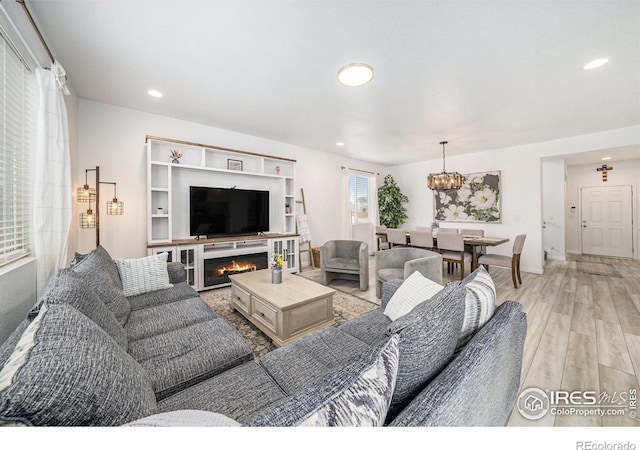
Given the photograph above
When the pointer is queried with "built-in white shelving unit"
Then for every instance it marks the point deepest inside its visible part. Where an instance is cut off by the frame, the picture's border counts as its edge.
(206, 165)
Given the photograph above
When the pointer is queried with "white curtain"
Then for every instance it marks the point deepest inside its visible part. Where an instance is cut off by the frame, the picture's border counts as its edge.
(52, 195)
(345, 205)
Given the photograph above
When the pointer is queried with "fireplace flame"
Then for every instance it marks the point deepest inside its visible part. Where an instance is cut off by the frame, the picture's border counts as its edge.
(234, 267)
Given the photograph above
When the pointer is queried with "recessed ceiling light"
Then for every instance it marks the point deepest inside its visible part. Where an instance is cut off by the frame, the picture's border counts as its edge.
(596, 63)
(606, 158)
(355, 74)
(340, 144)
(154, 93)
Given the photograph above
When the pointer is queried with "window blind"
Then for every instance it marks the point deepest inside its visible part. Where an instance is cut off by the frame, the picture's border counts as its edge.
(16, 97)
(359, 195)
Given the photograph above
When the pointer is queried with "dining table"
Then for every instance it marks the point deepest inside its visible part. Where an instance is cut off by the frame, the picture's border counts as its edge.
(477, 244)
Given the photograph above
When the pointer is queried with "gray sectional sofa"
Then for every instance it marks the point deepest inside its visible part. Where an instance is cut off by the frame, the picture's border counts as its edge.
(88, 355)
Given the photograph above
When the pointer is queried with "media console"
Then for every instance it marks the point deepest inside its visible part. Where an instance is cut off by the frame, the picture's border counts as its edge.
(209, 262)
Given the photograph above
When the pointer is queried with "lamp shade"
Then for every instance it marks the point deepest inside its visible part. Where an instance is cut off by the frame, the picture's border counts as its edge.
(115, 207)
(88, 219)
(85, 194)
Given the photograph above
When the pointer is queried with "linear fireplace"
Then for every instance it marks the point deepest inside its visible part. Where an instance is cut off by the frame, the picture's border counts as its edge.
(217, 270)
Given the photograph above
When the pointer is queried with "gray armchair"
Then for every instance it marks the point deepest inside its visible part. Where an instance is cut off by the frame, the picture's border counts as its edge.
(345, 260)
(400, 262)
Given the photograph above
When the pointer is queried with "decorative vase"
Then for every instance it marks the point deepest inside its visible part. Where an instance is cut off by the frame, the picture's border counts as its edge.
(276, 276)
(175, 161)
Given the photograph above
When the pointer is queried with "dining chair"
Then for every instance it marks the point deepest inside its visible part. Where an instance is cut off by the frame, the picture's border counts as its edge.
(472, 232)
(381, 235)
(421, 239)
(513, 261)
(451, 247)
(396, 237)
(448, 230)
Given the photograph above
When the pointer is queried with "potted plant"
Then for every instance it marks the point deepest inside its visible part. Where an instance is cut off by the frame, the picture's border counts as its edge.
(390, 204)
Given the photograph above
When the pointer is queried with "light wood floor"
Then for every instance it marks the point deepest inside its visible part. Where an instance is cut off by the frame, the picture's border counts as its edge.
(583, 330)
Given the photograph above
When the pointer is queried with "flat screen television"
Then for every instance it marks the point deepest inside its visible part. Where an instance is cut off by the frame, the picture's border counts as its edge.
(217, 212)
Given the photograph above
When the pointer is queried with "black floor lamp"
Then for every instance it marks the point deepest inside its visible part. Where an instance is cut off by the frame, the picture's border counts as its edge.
(87, 194)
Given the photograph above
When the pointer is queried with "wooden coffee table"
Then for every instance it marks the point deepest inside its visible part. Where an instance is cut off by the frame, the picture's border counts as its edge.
(285, 312)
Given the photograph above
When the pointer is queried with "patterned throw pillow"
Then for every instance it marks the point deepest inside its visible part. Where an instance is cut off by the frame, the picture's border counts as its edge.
(358, 394)
(143, 275)
(414, 290)
(480, 303)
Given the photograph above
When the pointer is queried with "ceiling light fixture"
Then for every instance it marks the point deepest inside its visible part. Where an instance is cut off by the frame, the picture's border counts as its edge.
(605, 158)
(596, 63)
(154, 93)
(444, 181)
(340, 144)
(355, 74)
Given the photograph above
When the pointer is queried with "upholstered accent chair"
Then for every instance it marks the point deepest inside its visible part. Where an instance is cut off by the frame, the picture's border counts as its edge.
(401, 262)
(513, 262)
(343, 259)
(451, 247)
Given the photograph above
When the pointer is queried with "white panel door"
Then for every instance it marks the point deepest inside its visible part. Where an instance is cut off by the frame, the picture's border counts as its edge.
(606, 221)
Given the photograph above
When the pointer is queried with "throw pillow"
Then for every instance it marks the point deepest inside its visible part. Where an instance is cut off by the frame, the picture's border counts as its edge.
(428, 338)
(414, 290)
(143, 275)
(185, 418)
(480, 303)
(97, 260)
(66, 286)
(358, 394)
(66, 371)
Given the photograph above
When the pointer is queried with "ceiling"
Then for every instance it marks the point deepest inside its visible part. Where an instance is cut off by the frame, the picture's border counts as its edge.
(480, 74)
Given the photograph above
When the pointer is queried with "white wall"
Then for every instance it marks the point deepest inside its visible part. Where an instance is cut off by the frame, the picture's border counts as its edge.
(17, 294)
(521, 170)
(624, 173)
(114, 139)
(553, 201)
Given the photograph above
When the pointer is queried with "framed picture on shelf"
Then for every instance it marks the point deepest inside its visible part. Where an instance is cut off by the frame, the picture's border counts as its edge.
(234, 164)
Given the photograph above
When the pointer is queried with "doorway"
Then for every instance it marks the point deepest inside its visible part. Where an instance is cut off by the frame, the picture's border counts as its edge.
(606, 221)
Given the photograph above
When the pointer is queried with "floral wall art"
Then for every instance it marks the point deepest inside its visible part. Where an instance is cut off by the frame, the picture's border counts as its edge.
(478, 200)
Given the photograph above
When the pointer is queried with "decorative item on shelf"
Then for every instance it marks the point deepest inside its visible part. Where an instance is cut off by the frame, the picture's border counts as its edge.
(278, 170)
(175, 155)
(276, 271)
(160, 211)
(444, 181)
(287, 209)
(234, 164)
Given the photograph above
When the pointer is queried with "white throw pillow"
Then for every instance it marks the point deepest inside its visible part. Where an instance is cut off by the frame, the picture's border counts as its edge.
(413, 291)
(143, 275)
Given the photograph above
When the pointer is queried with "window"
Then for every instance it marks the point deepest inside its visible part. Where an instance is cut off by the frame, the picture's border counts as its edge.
(359, 196)
(16, 97)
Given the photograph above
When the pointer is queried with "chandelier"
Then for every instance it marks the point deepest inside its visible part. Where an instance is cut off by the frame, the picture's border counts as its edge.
(444, 181)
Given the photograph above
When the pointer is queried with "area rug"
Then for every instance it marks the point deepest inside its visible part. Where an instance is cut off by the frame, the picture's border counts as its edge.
(594, 268)
(345, 307)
